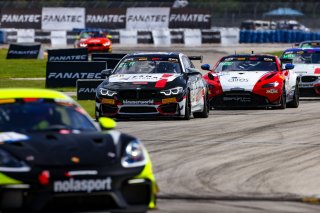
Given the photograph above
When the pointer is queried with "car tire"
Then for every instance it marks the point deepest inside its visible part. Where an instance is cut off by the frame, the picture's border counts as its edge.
(283, 100)
(187, 109)
(295, 102)
(205, 111)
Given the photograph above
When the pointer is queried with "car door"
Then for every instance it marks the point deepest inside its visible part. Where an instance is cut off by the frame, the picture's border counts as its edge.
(195, 84)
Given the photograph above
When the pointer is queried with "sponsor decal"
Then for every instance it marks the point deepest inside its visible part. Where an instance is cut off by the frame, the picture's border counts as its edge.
(88, 185)
(238, 79)
(108, 101)
(306, 85)
(169, 100)
(90, 75)
(163, 81)
(87, 90)
(238, 99)
(9, 137)
(69, 58)
(142, 102)
(272, 91)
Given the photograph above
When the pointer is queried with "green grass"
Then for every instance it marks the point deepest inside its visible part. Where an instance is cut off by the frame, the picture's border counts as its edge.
(88, 105)
(20, 68)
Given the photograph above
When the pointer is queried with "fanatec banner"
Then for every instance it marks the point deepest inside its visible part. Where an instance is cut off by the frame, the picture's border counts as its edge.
(106, 18)
(63, 18)
(66, 73)
(73, 54)
(21, 18)
(190, 18)
(147, 17)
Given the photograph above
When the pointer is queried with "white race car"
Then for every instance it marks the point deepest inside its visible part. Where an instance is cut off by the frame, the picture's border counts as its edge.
(307, 67)
(251, 81)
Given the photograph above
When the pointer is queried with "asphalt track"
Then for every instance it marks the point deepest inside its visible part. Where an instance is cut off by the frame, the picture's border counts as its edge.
(235, 160)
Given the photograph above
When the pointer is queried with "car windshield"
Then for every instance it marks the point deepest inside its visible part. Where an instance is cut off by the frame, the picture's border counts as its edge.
(310, 44)
(303, 57)
(93, 35)
(34, 116)
(146, 65)
(246, 64)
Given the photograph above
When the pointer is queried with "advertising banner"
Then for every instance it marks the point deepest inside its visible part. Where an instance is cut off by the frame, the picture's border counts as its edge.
(86, 88)
(66, 74)
(58, 38)
(21, 18)
(106, 18)
(25, 36)
(190, 18)
(161, 37)
(72, 54)
(230, 36)
(192, 37)
(211, 36)
(147, 17)
(128, 37)
(63, 18)
(24, 51)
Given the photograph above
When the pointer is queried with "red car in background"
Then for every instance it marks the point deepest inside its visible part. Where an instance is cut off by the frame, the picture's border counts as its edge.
(94, 41)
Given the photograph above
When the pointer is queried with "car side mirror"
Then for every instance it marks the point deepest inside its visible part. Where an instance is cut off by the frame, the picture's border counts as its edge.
(109, 36)
(289, 66)
(205, 67)
(106, 73)
(107, 123)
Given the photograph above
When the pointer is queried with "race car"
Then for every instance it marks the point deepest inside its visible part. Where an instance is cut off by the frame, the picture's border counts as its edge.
(307, 66)
(308, 44)
(153, 84)
(53, 155)
(251, 80)
(94, 41)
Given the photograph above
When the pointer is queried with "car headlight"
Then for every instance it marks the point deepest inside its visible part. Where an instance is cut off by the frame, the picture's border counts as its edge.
(83, 45)
(134, 155)
(173, 91)
(270, 85)
(9, 163)
(107, 43)
(107, 92)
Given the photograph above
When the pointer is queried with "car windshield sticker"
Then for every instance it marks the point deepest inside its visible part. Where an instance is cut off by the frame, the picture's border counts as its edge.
(142, 59)
(173, 60)
(300, 52)
(288, 56)
(228, 63)
(9, 137)
(268, 59)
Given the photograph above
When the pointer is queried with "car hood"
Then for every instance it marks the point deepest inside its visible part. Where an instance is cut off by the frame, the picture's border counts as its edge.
(143, 81)
(56, 149)
(96, 40)
(239, 79)
(302, 69)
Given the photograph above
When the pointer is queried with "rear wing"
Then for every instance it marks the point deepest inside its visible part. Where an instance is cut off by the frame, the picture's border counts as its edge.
(199, 58)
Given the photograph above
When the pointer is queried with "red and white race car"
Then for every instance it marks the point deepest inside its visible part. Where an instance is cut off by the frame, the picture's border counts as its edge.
(251, 81)
(95, 41)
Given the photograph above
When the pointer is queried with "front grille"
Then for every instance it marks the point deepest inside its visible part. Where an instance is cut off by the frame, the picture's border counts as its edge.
(106, 109)
(138, 110)
(138, 94)
(308, 78)
(169, 108)
(94, 45)
(238, 98)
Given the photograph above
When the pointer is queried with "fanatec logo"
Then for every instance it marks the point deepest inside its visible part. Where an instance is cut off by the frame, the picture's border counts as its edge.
(68, 58)
(91, 75)
(87, 90)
